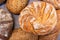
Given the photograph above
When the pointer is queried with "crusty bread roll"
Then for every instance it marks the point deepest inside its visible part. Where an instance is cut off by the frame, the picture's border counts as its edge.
(6, 24)
(55, 3)
(18, 34)
(15, 6)
(38, 17)
(55, 33)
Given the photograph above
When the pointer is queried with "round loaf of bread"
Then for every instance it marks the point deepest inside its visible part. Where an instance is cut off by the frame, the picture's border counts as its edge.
(19, 34)
(15, 6)
(38, 17)
(55, 3)
(6, 24)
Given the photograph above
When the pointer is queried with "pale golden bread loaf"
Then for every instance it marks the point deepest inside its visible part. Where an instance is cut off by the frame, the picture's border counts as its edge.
(38, 17)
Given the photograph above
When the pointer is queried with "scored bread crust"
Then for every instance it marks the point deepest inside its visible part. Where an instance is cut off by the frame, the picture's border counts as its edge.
(55, 33)
(38, 17)
(55, 3)
(5, 16)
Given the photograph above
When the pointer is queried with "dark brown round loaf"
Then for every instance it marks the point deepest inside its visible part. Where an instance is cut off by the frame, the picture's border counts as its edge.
(6, 24)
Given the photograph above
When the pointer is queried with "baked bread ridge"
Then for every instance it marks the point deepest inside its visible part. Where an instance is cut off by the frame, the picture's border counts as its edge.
(55, 33)
(15, 6)
(55, 3)
(19, 34)
(6, 24)
(37, 18)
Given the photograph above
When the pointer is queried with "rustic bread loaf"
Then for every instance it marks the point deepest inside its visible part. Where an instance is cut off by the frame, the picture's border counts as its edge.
(6, 24)
(54, 34)
(15, 6)
(19, 34)
(38, 17)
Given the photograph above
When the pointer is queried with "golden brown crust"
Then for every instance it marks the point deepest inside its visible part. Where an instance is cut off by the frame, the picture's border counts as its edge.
(55, 3)
(18, 34)
(54, 34)
(15, 6)
(49, 37)
(38, 17)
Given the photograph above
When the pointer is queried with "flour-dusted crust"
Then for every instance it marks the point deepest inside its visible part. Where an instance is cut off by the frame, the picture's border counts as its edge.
(6, 24)
(4, 16)
(15, 6)
(55, 3)
(19, 34)
(38, 17)
(54, 34)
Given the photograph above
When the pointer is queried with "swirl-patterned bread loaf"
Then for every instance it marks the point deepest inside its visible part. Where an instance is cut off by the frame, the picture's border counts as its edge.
(54, 34)
(38, 17)
(6, 23)
(55, 3)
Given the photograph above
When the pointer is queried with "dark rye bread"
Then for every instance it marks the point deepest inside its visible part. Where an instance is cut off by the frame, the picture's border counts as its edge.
(19, 34)
(6, 24)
